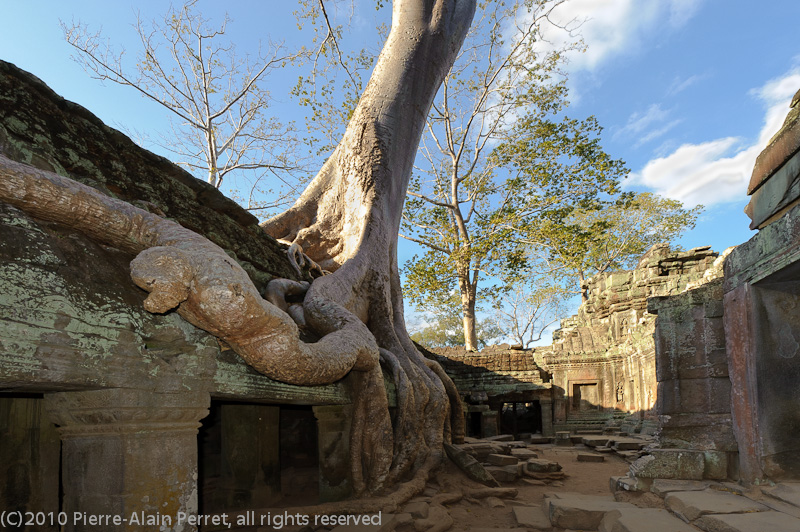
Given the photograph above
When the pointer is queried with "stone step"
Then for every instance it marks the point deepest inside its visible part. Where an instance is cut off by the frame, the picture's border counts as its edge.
(749, 522)
(580, 512)
(502, 460)
(531, 517)
(590, 457)
(788, 492)
(595, 441)
(691, 505)
(643, 520)
(662, 487)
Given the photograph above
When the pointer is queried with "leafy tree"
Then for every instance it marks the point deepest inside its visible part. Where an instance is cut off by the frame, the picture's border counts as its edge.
(446, 329)
(218, 100)
(596, 240)
(347, 219)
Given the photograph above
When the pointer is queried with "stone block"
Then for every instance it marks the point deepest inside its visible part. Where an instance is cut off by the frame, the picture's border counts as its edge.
(590, 457)
(643, 520)
(704, 396)
(788, 492)
(716, 465)
(671, 464)
(662, 487)
(531, 517)
(628, 444)
(581, 512)
(524, 454)
(749, 522)
(509, 473)
(563, 439)
(540, 440)
(502, 460)
(626, 483)
(698, 431)
(540, 465)
(501, 437)
(691, 505)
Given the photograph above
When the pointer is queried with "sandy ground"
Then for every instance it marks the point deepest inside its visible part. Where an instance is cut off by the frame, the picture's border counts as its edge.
(484, 514)
(582, 477)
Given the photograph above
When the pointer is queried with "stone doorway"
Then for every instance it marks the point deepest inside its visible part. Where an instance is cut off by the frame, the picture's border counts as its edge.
(521, 417)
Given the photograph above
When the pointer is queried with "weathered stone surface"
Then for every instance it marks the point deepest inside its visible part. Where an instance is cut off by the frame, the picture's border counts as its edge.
(788, 492)
(40, 128)
(671, 464)
(531, 517)
(691, 505)
(643, 520)
(662, 487)
(595, 441)
(563, 439)
(501, 437)
(508, 473)
(524, 454)
(502, 460)
(749, 522)
(540, 465)
(469, 465)
(627, 483)
(628, 444)
(581, 512)
(495, 502)
(590, 457)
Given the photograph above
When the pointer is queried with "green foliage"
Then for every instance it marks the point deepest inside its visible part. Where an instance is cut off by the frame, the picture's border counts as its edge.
(608, 237)
(508, 189)
(447, 329)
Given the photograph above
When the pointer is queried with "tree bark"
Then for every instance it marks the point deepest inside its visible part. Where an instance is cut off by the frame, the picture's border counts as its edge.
(468, 296)
(348, 219)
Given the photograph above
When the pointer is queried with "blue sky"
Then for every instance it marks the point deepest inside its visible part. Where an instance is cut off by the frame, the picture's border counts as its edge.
(689, 91)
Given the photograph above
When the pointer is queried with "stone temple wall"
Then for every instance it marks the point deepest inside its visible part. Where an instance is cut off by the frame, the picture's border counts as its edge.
(117, 395)
(603, 359)
(727, 352)
(493, 379)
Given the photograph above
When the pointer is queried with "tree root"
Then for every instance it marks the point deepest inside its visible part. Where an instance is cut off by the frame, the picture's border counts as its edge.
(210, 290)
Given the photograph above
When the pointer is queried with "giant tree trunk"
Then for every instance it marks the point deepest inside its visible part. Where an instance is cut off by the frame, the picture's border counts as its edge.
(348, 220)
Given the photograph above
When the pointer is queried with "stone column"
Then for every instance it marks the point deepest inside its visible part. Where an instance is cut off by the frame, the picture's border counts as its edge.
(546, 404)
(129, 453)
(489, 421)
(333, 437)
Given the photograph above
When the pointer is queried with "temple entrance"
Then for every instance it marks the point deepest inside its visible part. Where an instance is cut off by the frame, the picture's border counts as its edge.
(518, 418)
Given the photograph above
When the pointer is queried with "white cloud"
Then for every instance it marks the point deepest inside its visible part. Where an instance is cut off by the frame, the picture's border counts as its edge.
(680, 85)
(646, 126)
(616, 27)
(719, 170)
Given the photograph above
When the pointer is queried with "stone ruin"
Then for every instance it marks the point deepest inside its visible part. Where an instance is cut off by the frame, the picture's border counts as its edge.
(129, 390)
(503, 390)
(603, 359)
(600, 370)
